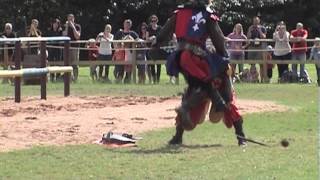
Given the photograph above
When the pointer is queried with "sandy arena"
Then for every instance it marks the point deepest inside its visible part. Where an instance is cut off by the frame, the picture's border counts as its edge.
(81, 120)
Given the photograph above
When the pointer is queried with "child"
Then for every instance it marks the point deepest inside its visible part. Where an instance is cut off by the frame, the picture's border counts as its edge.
(253, 75)
(118, 56)
(315, 55)
(92, 55)
(269, 58)
(128, 58)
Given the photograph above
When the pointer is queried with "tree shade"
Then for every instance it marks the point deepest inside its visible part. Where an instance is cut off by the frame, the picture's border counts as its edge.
(94, 14)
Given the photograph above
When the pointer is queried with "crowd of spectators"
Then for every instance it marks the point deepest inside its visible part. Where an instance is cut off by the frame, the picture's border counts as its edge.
(241, 46)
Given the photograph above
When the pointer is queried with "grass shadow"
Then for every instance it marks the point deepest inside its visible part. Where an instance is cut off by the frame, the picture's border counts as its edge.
(168, 149)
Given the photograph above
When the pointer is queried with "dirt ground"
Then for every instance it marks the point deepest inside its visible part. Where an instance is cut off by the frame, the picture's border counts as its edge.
(82, 120)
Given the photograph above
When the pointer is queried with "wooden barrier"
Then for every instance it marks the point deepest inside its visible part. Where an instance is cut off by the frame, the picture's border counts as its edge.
(18, 73)
(27, 72)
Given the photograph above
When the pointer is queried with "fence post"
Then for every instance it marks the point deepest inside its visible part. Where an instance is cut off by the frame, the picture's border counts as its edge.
(43, 64)
(17, 80)
(134, 64)
(67, 75)
(265, 68)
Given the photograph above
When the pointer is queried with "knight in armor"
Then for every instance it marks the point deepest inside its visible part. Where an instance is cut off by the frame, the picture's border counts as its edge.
(207, 73)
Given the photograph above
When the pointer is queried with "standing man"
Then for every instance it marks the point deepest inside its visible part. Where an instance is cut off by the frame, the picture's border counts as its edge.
(299, 49)
(127, 24)
(73, 30)
(126, 32)
(256, 32)
(207, 74)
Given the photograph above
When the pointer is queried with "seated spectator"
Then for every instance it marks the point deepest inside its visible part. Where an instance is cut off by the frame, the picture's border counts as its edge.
(92, 56)
(250, 75)
(315, 55)
(118, 56)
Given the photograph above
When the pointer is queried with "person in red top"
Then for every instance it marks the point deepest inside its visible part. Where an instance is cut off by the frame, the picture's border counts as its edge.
(92, 55)
(299, 48)
(118, 55)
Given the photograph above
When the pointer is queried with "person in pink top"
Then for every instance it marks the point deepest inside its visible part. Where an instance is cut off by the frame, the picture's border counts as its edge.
(235, 48)
(299, 48)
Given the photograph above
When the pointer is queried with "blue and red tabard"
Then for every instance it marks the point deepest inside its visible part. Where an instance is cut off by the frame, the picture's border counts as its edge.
(191, 25)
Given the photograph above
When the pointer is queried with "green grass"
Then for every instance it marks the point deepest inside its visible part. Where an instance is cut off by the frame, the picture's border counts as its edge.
(210, 151)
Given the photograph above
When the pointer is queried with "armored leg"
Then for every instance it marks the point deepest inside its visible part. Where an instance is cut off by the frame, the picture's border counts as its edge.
(177, 138)
(239, 132)
(191, 99)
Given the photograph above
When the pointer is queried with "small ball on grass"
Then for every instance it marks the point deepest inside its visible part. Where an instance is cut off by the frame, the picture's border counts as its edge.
(284, 143)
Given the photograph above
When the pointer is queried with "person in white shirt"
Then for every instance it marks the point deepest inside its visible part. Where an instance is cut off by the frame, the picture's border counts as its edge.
(282, 48)
(105, 51)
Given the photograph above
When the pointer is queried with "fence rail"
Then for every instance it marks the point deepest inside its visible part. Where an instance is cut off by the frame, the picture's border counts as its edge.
(7, 41)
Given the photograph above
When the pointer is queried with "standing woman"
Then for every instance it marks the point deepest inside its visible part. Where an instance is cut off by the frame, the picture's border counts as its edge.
(55, 53)
(236, 48)
(152, 31)
(105, 51)
(143, 35)
(282, 48)
(33, 31)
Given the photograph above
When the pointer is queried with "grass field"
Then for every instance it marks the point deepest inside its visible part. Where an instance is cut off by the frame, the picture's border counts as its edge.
(210, 151)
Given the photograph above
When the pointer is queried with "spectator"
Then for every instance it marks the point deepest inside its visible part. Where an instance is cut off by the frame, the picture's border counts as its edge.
(55, 53)
(141, 57)
(127, 24)
(105, 51)
(172, 46)
(33, 31)
(282, 48)
(120, 35)
(236, 47)
(256, 32)
(118, 56)
(156, 54)
(73, 30)
(143, 35)
(315, 55)
(8, 33)
(299, 49)
(92, 56)
(128, 58)
(269, 58)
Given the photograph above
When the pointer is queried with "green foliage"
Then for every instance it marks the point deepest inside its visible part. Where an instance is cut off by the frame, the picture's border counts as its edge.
(93, 15)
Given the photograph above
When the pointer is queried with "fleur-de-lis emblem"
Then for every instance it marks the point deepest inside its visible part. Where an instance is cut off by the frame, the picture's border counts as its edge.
(198, 19)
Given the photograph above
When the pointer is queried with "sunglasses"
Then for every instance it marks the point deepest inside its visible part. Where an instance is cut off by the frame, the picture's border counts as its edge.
(154, 20)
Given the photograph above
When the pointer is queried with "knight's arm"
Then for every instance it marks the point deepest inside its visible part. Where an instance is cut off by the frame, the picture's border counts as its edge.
(167, 31)
(217, 37)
